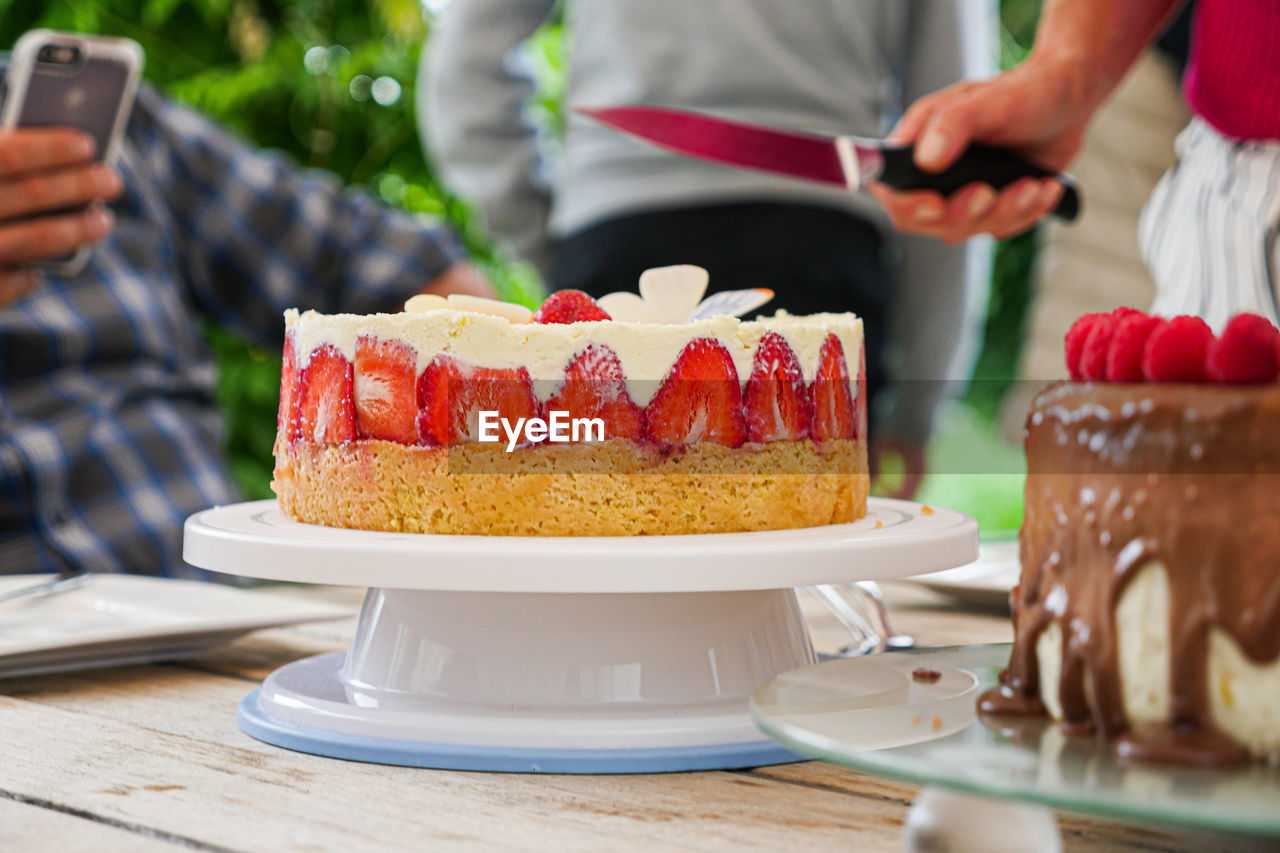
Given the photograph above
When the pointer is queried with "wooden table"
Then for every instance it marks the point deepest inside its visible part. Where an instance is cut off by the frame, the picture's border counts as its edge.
(149, 758)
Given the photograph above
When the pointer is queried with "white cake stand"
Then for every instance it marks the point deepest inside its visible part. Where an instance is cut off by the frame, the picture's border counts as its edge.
(566, 655)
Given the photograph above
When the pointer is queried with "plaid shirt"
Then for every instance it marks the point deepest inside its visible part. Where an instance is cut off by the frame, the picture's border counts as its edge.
(109, 432)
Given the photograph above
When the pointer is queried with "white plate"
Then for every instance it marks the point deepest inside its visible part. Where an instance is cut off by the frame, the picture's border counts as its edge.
(115, 619)
(986, 582)
(895, 539)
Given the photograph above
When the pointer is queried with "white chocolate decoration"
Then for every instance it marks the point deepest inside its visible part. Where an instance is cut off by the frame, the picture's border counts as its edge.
(509, 311)
(674, 292)
(628, 307)
(732, 303)
(425, 302)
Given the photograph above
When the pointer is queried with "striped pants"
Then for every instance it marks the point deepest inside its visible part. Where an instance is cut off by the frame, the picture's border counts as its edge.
(1209, 231)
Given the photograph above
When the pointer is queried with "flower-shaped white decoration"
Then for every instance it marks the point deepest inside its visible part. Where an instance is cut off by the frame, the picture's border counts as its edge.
(674, 295)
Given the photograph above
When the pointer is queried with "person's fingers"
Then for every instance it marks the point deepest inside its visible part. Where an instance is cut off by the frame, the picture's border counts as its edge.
(916, 211)
(56, 190)
(973, 209)
(946, 133)
(913, 120)
(971, 203)
(977, 209)
(1000, 112)
(1018, 206)
(1049, 194)
(51, 236)
(39, 149)
(919, 113)
(966, 207)
(15, 284)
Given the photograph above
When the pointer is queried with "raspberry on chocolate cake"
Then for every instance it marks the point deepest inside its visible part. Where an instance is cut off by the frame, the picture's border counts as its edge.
(710, 423)
(1148, 610)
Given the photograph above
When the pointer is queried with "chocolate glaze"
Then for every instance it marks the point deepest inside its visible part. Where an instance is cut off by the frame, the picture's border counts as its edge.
(1119, 475)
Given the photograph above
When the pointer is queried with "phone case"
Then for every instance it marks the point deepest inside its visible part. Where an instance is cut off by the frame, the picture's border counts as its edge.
(95, 96)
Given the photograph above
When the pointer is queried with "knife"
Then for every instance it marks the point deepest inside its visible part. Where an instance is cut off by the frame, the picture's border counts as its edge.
(847, 161)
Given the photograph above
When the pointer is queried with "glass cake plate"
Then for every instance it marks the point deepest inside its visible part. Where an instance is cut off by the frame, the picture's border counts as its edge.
(870, 714)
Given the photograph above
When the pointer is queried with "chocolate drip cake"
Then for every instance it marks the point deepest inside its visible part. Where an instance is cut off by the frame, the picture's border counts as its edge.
(1149, 604)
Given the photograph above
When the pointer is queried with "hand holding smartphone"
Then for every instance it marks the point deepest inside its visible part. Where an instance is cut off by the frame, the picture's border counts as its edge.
(68, 99)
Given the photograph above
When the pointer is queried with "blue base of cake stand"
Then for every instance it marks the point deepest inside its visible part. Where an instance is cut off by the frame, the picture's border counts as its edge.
(444, 756)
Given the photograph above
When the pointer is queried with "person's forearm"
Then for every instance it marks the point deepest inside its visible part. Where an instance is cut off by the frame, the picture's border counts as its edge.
(1098, 39)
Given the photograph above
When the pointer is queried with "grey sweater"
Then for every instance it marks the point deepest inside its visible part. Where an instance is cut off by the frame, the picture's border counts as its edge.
(831, 66)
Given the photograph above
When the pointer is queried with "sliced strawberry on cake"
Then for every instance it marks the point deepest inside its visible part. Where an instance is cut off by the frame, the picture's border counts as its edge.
(777, 402)
(386, 400)
(833, 406)
(860, 402)
(287, 417)
(700, 400)
(326, 410)
(452, 394)
(595, 387)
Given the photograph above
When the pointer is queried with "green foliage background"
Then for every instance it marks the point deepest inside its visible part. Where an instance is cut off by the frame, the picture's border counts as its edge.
(299, 76)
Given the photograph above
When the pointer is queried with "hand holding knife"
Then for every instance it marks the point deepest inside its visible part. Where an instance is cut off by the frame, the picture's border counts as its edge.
(847, 161)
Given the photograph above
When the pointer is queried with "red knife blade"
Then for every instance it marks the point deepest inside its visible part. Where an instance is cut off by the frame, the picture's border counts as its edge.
(847, 161)
(785, 152)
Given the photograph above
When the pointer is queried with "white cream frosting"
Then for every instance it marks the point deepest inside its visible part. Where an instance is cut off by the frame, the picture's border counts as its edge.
(647, 351)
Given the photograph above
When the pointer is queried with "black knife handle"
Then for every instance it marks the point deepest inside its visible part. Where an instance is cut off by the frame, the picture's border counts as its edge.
(983, 164)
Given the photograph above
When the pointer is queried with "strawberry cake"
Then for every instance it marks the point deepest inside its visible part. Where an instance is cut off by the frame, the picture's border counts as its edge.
(649, 413)
(1148, 609)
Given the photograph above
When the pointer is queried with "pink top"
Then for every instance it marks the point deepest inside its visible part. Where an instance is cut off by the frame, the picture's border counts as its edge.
(1233, 78)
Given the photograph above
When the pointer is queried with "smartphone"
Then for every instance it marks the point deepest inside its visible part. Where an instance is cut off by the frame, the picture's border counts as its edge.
(85, 82)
